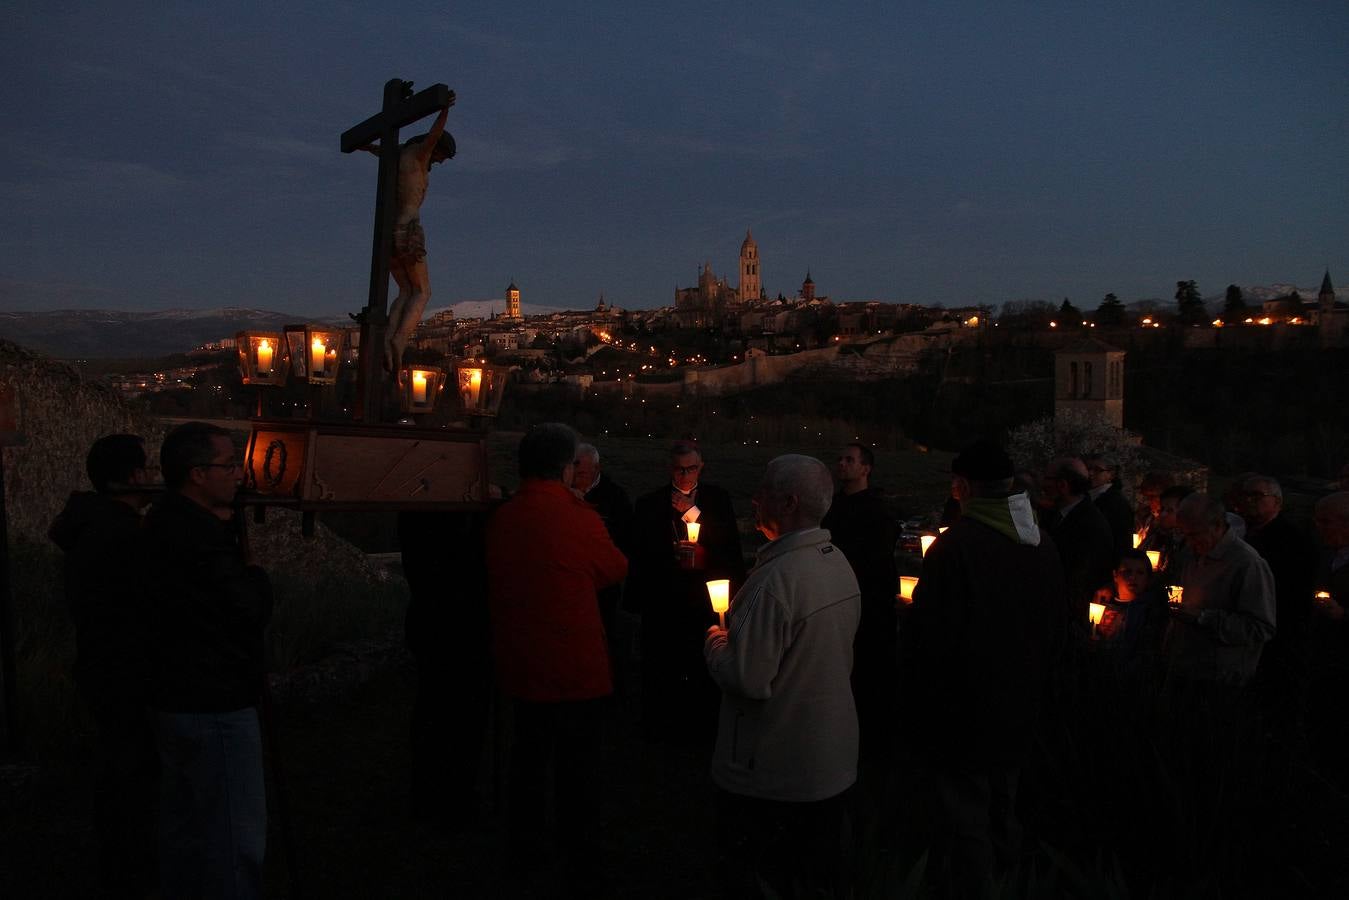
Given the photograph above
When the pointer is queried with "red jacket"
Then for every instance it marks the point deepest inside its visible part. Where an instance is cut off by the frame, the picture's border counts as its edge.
(548, 552)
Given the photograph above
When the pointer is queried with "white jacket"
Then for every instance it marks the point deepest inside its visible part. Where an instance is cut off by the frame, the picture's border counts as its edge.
(788, 727)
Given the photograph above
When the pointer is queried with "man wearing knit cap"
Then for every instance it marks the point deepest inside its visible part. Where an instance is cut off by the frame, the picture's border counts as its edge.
(987, 617)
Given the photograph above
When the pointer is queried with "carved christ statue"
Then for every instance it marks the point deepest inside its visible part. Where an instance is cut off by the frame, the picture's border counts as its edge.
(407, 260)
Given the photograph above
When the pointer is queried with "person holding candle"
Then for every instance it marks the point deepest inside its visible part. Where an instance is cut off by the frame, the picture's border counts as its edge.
(1134, 612)
(787, 739)
(668, 588)
(548, 554)
(1164, 536)
(859, 525)
(988, 618)
(1228, 612)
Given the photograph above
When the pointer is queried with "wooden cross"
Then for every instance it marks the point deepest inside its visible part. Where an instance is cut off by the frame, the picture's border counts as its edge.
(401, 108)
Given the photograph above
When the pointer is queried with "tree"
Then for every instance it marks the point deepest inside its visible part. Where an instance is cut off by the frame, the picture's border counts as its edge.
(1189, 305)
(1068, 314)
(1110, 312)
(1234, 303)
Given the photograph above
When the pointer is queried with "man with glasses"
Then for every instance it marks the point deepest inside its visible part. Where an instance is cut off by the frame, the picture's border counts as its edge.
(667, 586)
(208, 608)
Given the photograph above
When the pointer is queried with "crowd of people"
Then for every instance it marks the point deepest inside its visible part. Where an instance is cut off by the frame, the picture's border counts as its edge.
(818, 678)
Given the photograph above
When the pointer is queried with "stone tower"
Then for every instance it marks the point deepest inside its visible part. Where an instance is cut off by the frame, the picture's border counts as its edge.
(1326, 297)
(513, 302)
(751, 286)
(1089, 377)
(808, 288)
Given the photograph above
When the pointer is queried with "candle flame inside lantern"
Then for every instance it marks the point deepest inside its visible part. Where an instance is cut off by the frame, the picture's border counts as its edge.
(1154, 557)
(317, 352)
(418, 386)
(265, 354)
(1175, 593)
(1323, 595)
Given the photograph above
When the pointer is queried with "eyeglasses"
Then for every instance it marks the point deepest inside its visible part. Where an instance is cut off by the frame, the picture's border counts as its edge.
(686, 470)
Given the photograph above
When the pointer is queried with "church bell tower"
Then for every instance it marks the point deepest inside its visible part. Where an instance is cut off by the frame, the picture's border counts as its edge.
(750, 284)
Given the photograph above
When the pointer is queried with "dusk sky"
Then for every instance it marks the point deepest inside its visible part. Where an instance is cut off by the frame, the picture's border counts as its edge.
(186, 155)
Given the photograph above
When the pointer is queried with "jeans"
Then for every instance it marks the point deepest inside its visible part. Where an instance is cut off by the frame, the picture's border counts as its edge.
(213, 805)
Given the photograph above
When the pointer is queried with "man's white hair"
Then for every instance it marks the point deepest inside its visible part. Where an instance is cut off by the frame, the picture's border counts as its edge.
(588, 451)
(803, 477)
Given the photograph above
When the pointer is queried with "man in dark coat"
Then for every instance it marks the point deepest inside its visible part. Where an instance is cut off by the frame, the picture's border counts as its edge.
(1106, 493)
(1081, 534)
(209, 606)
(100, 534)
(1284, 666)
(987, 620)
(667, 585)
(859, 526)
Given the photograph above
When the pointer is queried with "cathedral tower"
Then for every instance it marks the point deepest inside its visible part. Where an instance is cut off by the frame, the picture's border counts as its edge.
(750, 284)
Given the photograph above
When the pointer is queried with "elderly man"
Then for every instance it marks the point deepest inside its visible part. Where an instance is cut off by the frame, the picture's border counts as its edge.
(668, 587)
(1228, 613)
(547, 555)
(988, 617)
(595, 487)
(787, 739)
(1081, 533)
(859, 525)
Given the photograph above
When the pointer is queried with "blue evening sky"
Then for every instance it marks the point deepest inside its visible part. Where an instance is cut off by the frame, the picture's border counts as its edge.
(186, 154)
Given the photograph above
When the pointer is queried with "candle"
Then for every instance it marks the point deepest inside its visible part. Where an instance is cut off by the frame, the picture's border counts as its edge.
(693, 528)
(1322, 597)
(1154, 557)
(942, 529)
(418, 386)
(1095, 612)
(265, 353)
(906, 585)
(1175, 593)
(317, 351)
(926, 542)
(1138, 539)
(720, 592)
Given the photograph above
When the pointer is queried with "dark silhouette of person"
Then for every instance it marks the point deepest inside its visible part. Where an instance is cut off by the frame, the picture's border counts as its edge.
(100, 533)
(667, 585)
(609, 499)
(209, 606)
(859, 525)
(1081, 533)
(447, 632)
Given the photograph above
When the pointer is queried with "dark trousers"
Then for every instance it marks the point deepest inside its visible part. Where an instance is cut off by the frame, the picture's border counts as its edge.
(774, 848)
(449, 724)
(125, 795)
(561, 739)
(972, 826)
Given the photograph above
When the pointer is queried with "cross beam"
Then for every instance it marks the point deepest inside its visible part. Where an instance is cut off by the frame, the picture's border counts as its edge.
(401, 108)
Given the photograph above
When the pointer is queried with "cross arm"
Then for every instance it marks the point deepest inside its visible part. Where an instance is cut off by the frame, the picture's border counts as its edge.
(418, 106)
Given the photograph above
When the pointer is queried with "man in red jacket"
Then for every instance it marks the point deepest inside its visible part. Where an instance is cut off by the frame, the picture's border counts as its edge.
(548, 553)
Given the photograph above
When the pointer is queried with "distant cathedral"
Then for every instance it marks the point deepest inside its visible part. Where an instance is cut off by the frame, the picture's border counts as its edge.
(706, 304)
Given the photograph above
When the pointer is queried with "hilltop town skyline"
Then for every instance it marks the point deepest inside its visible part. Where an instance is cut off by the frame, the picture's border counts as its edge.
(188, 157)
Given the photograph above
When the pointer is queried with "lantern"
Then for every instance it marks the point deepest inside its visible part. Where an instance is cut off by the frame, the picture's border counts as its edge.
(1138, 539)
(1175, 594)
(419, 387)
(907, 583)
(479, 387)
(1095, 612)
(313, 351)
(720, 593)
(261, 357)
(1154, 557)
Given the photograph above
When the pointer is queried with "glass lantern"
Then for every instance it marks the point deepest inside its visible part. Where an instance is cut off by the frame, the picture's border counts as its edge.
(479, 387)
(262, 357)
(419, 387)
(314, 352)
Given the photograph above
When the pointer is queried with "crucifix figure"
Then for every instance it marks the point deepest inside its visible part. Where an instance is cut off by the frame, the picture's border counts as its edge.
(400, 243)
